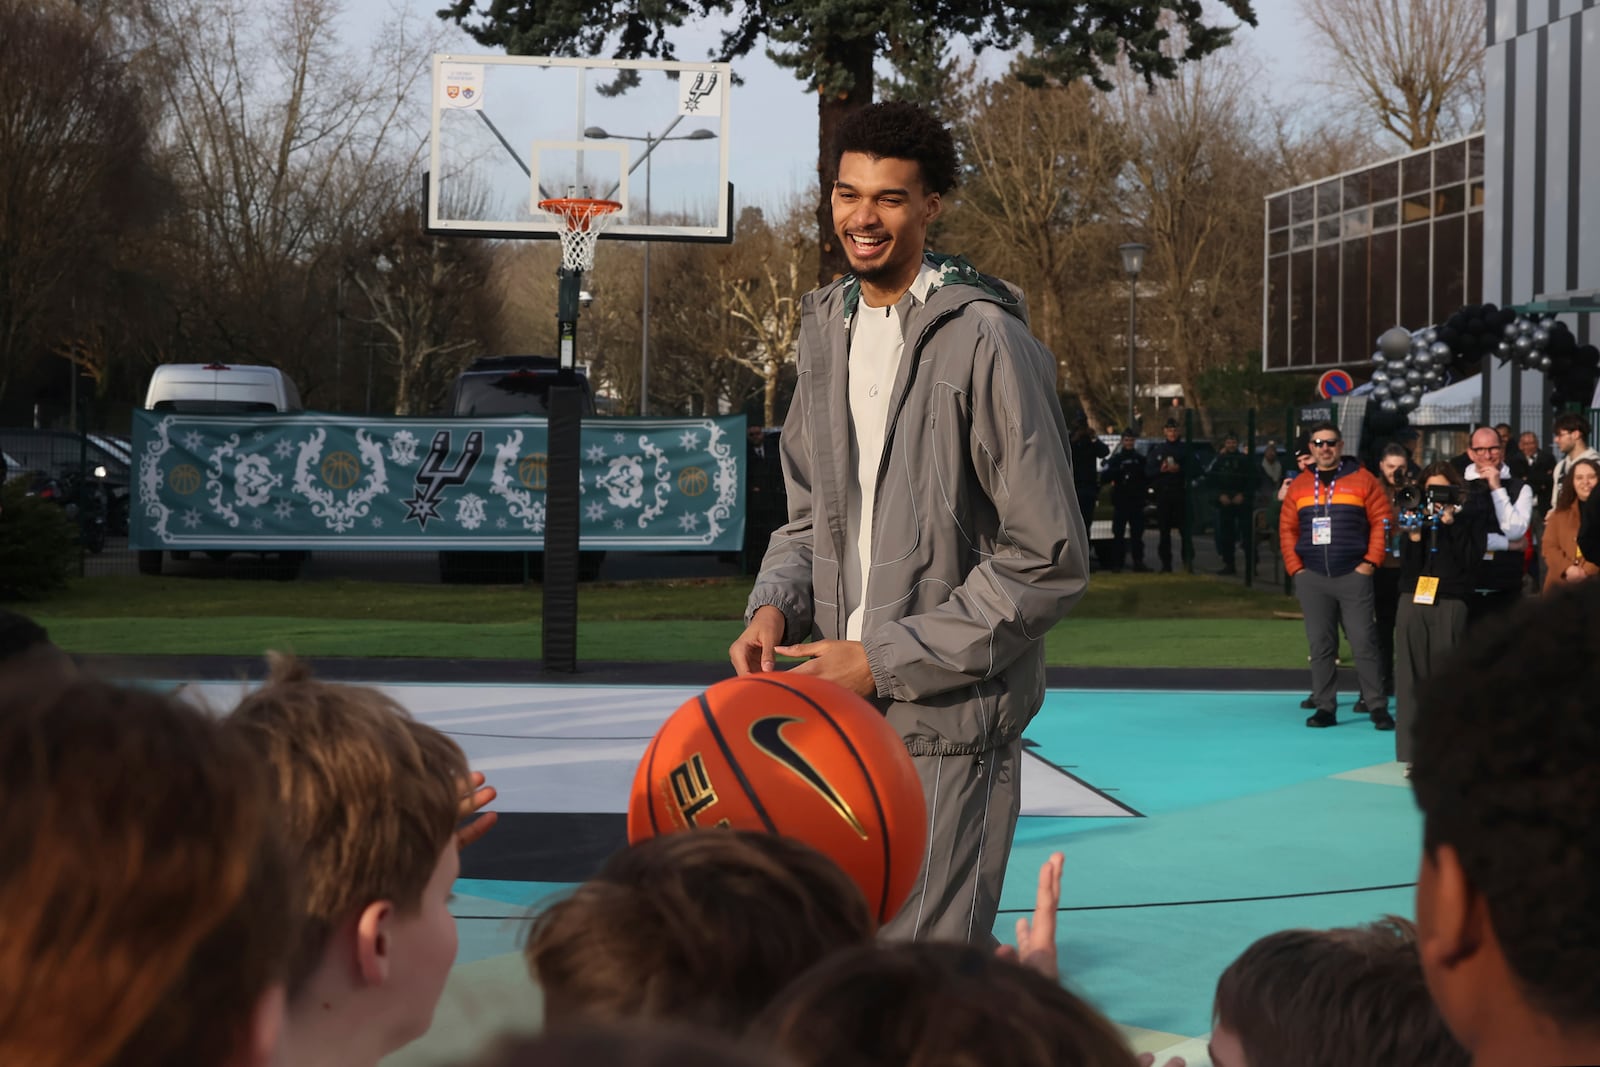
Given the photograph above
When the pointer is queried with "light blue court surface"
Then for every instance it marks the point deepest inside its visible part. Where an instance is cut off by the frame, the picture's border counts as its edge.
(1192, 823)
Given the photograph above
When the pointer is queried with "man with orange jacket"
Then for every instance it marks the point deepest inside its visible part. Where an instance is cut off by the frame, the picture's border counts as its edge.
(1331, 529)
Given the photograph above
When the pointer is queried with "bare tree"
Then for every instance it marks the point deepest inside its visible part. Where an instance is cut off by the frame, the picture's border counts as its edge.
(74, 175)
(770, 274)
(1038, 207)
(420, 293)
(286, 149)
(1199, 170)
(1416, 66)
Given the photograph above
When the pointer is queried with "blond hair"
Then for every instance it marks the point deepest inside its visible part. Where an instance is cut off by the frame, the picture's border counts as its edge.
(368, 796)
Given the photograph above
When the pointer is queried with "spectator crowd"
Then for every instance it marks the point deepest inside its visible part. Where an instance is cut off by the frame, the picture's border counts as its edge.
(272, 885)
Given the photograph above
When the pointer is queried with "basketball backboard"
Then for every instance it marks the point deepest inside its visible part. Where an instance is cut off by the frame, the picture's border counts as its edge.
(509, 131)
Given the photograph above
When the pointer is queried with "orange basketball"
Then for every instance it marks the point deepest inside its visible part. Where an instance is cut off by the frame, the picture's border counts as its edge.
(791, 755)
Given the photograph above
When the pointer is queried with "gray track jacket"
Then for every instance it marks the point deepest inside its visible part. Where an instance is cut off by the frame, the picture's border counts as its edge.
(978, 546)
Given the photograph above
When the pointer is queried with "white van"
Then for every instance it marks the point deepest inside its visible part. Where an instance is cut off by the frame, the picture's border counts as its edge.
(219, 389)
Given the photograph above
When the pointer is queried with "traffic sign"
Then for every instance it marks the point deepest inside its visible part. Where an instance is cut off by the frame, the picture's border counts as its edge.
(1334, 383)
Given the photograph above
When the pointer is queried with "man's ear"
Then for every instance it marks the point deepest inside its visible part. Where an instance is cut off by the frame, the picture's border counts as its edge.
(932, 207)
(264, 1030)
(1451, 915)
(374, 950)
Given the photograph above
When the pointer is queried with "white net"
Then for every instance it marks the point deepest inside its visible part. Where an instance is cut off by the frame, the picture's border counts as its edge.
(586, 220)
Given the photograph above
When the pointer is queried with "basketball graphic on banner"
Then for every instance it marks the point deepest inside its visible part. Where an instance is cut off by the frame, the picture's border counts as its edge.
(341, 470)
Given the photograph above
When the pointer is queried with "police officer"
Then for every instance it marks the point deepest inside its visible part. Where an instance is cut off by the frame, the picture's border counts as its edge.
(1125, 474)
(1167, 466)
(1232, 478)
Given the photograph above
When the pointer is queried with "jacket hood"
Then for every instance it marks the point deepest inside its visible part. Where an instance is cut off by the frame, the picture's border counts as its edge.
(957, 282)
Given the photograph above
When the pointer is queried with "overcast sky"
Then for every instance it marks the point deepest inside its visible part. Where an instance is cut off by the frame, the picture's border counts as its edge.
(774, 116)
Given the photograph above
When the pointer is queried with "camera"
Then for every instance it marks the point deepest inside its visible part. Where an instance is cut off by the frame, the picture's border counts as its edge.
(1442, 496)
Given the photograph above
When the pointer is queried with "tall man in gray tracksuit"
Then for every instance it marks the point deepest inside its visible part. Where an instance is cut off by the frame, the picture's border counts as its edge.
(934, 537)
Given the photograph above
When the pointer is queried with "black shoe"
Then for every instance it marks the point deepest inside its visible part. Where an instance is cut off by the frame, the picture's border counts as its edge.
(1323, 718)
(1166, 568)
(1140, 568)
(1361, 706)
(1309, 704)
(1227, 571)
(1382, 720)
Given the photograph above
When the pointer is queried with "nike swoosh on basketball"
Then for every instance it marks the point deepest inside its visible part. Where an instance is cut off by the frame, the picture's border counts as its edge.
(767, 735)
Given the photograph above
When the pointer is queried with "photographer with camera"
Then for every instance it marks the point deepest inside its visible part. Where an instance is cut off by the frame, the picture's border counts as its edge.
(1440, 536)
(1497, 585)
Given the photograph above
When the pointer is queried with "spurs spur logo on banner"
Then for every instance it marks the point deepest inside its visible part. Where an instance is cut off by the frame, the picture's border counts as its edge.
(434, 476)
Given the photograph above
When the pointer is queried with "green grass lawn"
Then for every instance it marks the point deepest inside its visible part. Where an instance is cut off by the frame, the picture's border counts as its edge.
(1124, 620)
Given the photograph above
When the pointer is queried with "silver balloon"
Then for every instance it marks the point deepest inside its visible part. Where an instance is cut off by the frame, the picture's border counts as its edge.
(1414, 376)
(1511, 331)
(1523, 344)
(1389, 407)
(1503, 349)
(1544, 362)
(1525, 325)
(1379, 376)
(1423, 360)
(1541, 337)
(1407, 403)
(1394, 342)
(1430, 335)
(1379, 359)
(1440, 351)
(1381, 391)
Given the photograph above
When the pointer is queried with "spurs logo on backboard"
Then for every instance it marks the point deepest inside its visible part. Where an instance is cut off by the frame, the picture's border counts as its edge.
(434, 477)
(767, 735)
(694, 97)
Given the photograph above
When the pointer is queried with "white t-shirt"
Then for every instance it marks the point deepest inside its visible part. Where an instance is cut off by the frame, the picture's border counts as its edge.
(876, 345)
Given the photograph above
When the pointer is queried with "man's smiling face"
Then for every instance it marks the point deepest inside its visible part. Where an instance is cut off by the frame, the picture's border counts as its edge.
(881, 212)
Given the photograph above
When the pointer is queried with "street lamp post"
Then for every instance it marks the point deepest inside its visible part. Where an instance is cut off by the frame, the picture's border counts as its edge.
(599, 133)
(1132, 265)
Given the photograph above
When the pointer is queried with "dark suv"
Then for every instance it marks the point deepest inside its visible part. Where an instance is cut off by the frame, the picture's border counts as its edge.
(510, 385)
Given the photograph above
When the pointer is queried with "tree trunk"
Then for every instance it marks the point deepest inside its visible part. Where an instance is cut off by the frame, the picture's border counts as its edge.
(855, 58)
(769, 399)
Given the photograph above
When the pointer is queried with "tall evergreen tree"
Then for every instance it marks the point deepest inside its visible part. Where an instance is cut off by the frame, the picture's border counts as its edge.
(831, 44)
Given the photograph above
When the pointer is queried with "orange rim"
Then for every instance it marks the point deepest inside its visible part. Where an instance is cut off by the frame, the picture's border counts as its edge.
(579, 210)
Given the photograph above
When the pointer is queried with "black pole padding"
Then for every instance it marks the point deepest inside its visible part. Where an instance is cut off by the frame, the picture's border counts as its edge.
(561, 530)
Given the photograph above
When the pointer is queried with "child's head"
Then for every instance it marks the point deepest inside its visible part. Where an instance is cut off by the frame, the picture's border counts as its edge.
(926, 1003)
(703, 926)
(369, 800)
(1330, 998)
(628, 1044)
(145, 912)
(1508, 895)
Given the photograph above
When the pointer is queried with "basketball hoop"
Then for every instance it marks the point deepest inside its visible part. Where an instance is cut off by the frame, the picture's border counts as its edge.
(586, 219)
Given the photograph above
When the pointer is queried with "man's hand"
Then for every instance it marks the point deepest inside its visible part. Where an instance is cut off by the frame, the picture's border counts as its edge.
(1036, 941)
(1490, 473)
(840, 662)
(474, 796)
(751, 651)
(1575, 573)
(1148, 1059)
(1365, 568)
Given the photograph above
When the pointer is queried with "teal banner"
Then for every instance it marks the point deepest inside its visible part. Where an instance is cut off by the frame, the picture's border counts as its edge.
(340, 482)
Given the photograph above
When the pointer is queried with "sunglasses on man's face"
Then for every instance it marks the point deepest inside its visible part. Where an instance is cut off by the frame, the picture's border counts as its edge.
(1326, 443)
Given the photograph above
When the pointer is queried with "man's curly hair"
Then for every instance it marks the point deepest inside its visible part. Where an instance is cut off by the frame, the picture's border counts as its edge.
(899, 130)
(1507, 751)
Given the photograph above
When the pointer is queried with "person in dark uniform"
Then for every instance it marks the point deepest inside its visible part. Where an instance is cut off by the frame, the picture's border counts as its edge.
(767, 505)
(1232, 478)
(1087, 450)
(1129, 486)
(1167, 466)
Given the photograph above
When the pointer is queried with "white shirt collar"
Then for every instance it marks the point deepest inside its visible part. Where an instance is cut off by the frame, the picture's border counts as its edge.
(924, 281)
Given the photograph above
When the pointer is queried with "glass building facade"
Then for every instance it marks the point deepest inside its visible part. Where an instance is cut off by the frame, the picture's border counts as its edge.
(1396, 243)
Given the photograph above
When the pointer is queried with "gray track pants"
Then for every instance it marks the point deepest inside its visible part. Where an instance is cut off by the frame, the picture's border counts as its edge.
(1326, 602)
(973, 803)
